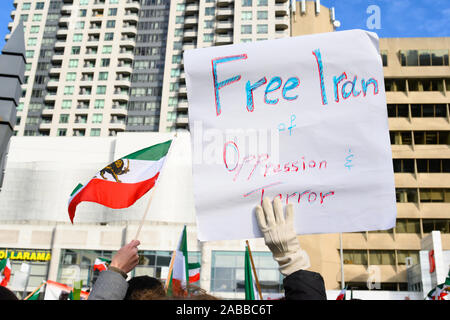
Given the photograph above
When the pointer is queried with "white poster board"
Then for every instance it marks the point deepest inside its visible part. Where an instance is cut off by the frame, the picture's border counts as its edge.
(301, 118)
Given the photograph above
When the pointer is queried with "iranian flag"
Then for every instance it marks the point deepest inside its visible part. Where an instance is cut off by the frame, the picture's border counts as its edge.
(441, 291)
(101, 264)
(251, 290)
(121, 183)
(59, 291)
(182, 272)
(5, 272)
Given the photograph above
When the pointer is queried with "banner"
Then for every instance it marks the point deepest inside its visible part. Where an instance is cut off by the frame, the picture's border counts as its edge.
(301, 118)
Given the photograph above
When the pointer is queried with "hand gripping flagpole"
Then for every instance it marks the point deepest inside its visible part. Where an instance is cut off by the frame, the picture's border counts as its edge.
(153, 190)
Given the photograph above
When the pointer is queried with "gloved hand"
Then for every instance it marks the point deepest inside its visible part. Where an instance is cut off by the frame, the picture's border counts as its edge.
(280, 237)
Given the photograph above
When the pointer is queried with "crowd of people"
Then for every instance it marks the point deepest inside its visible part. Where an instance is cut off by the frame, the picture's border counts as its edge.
(277, 228)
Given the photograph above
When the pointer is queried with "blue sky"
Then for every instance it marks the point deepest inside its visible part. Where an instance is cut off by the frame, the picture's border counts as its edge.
(398, 18)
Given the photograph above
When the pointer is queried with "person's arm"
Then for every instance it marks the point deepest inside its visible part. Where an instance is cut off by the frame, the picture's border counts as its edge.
(111, 284)
(279, 236)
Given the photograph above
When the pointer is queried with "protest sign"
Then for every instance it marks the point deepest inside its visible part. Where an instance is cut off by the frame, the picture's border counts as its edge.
(301, 118)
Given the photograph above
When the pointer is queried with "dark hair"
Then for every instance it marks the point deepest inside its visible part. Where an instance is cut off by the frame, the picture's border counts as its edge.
(6, 294)
(138, 285)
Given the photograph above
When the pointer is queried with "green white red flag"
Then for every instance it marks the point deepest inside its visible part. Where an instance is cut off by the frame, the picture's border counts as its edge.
(121, 183)
(341, 295)
(182, 272)
(251, 291)
(5, 271)
(441, 291)
(59, 291)
(101, 264)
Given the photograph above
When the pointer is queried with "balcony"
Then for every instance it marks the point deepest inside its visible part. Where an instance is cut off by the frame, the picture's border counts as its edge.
(128, 41)
(191, 21)
(223, 39)
(281, 9)
(282, 23)
(182, 105)
(224, 13)
(133, 4)
(182, 120)
(191, 8)
(281, 34)
(226, 25)
(188, 46)
(190, 34)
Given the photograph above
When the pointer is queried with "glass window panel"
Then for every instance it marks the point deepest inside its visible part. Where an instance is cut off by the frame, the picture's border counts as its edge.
(402, 110)
(428, 110)
(424, 58)
(382, 257)
(412, 58)
(441, 109)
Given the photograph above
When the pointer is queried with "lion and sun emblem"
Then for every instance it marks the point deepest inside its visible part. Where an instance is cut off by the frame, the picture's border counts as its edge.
(115, 169)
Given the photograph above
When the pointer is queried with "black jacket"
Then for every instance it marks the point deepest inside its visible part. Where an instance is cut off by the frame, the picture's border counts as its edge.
(304, 285)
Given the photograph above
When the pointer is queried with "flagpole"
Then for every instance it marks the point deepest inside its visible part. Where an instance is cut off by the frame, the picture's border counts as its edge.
(254, 270)
(28, 296)
(170, 270)
(342, 262)
(151, 195)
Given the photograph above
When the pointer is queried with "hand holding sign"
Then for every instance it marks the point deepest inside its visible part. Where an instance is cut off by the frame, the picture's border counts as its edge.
(301, 119)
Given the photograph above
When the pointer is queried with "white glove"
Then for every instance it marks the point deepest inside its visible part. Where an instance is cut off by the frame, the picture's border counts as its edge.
(280, 237)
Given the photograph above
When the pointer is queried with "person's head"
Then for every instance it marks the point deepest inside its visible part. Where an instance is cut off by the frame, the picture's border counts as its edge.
(144, 285)
(6, 294)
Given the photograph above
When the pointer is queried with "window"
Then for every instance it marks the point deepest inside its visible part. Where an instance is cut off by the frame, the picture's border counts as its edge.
(395, 84)
(382, 257)
(246, 3)
(228, 274)
(68, 90)
(426, 85)
(105, 62)
(110, 24)
(99, 104)
(403, 254)
(31, 42)
(79, 25)
(84, 2)
(209, 24)
(95, 132)
(37, 17)
(71, 76)
(263, 15)
(246, 29)
(355, 257)
(61, 132)
(175, 73)
(209, 11)
(103, 76)
(208, 37)
(107, 49)
(432, 137)
(424, 58)
(433, 165)
(403, 165)
(66, 104)
(398, 110)
(109, 36)
(442, 225)
(246, 15)
(73, 63)
(34, 29)
(428, 110)
(262, 28)
(97, 118)
(407, 226)
(404, 195)
(77, 37)
(24, 17)
(434, 195)
(64, 118)
(112, 12)
(39, 5)
(176, 58)
(75, 50)
(262, 2)
(101, 89)
(26, 6)
(401, 137)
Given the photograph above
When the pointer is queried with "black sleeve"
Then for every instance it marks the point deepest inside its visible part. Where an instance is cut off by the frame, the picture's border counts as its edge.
(304, 285)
